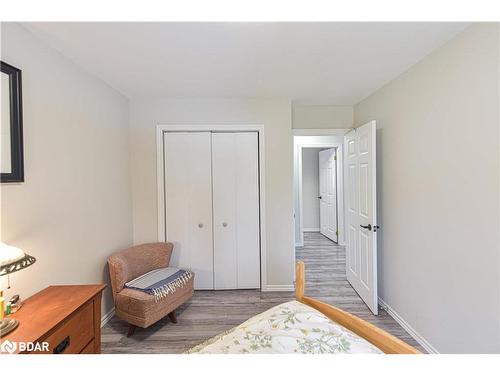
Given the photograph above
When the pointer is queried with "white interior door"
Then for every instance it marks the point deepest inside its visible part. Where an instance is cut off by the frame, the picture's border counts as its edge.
(361, 213)
(236, 210)
(328, 194)
(188, 203)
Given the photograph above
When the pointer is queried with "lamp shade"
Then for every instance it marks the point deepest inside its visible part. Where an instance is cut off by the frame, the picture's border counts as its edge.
(9, 254)
(13, 259)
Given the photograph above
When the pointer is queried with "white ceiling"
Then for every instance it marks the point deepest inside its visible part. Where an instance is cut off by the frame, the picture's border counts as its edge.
(323, 63)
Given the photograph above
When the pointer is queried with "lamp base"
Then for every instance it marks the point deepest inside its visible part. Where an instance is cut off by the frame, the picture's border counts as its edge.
(7, 325)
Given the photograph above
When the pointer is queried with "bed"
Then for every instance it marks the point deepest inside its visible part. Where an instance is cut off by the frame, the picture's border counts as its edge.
(304, 326)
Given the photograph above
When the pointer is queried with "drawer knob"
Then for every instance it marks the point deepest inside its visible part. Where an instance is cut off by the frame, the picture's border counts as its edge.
(59, 349)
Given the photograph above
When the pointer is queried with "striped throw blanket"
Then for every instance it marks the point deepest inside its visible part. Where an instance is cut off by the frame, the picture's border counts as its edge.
(161, 282)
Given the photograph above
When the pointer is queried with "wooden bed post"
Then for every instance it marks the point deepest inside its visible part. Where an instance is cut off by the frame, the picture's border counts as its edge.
(299, 280)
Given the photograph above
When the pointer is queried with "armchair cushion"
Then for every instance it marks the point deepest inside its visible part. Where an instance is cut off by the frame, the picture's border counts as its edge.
(135, 261)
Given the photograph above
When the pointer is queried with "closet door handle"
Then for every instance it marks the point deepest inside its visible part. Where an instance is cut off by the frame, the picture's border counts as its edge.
(224, 224)
(200, 225)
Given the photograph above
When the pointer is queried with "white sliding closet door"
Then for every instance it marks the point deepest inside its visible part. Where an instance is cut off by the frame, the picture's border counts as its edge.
(188, 204)
(235, 169)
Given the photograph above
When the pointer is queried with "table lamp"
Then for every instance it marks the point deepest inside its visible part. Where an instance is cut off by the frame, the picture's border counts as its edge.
(12, 260)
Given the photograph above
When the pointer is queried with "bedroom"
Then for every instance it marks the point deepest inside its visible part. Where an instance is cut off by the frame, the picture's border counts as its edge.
(137, 133)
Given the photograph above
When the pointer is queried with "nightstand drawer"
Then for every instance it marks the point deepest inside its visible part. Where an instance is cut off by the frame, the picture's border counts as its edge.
(74, 334)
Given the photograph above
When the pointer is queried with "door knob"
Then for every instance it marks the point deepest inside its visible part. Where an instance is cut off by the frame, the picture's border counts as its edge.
(369, 226)
(224, 225)
(200, 225)
(320, 197)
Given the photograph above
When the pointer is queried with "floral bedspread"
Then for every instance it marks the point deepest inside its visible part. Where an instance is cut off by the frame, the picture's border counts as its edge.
(291, 327)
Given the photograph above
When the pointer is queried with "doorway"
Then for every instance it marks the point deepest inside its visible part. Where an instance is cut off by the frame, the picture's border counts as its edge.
(352, 152)
(318, 187)
(319, 191)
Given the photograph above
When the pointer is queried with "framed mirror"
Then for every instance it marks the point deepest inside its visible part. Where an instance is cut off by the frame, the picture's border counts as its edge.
(11, 125)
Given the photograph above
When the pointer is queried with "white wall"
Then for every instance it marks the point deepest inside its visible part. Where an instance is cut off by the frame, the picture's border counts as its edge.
(438, 186)
(74, 208)
(275, 115)
(310, 188)
(322, 116)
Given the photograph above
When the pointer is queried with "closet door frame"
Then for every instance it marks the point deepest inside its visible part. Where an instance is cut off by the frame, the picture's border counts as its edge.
(160, 178)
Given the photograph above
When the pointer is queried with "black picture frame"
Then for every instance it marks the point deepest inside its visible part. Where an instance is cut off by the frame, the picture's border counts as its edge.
(16, 124)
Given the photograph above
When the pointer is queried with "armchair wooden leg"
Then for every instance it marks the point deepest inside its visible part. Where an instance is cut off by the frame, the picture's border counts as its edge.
(131, 330)
(172, 317)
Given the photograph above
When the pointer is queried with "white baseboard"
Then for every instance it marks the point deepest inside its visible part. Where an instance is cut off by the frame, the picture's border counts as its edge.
(407, 327)
(311, 229)
(107, 317)
(278, 288)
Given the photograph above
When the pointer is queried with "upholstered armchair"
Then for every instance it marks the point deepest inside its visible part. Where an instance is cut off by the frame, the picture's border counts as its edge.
(138, 308)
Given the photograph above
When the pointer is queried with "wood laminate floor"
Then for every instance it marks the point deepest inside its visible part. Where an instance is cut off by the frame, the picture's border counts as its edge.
(212, 312)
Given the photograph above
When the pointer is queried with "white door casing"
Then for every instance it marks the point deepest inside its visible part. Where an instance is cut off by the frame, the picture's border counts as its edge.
(314, 141)
(188, 203)
(328, 194)
(361, 211)
(235, 169)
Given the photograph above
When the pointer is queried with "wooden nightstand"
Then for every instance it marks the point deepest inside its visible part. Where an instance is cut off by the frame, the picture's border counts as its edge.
(67, 317)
